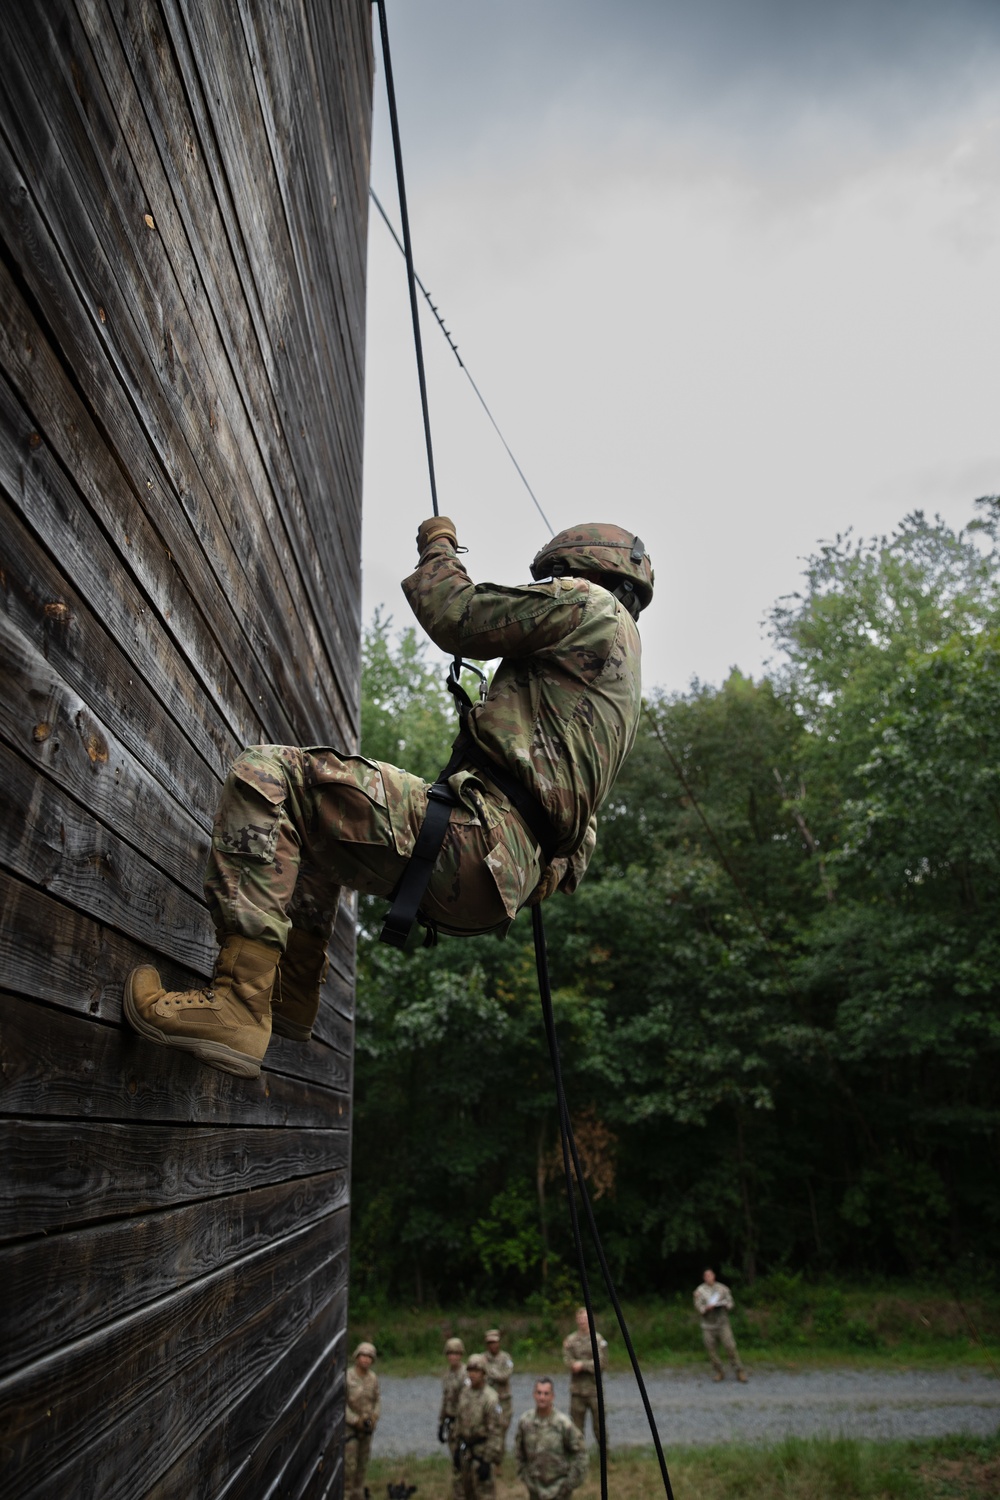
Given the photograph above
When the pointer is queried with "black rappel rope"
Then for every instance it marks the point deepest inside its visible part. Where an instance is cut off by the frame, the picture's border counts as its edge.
(571, 1158)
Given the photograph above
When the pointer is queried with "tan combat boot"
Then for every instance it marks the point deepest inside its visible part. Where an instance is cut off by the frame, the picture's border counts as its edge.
(304, 965)
(228, 1024)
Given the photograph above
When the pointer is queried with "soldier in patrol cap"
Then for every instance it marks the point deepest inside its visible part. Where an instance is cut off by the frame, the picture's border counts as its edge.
(713, 1303)
(578, 1356)
(499, 1369)
(451, 1388)
(364, 1407)
(479, 1434)
(550, 1452)
(296, 825)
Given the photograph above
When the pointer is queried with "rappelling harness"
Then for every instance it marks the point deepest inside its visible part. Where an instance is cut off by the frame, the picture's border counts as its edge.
(441, 801)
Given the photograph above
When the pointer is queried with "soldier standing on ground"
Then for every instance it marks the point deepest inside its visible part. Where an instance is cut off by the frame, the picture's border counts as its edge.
(499, 1369)
(479, 1433)
(550, 1452)
(713, 1302)
(295, 825)
(451, 1389)
(578, 1356)
(364, 1407)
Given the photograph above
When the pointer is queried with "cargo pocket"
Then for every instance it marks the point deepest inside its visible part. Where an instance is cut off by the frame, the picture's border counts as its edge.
(247, 822)
(513, 862)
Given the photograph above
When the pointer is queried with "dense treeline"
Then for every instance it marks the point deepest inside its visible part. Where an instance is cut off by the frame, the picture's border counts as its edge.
(776, 988)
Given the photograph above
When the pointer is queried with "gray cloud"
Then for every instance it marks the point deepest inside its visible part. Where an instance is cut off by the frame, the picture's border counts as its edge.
(470, 72)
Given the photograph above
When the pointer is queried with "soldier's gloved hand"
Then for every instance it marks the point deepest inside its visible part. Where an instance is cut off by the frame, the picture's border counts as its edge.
(482, 1471)
(442, 1432)
(367, 1425)
(456, 1457)
(549, 883)
(434, 527)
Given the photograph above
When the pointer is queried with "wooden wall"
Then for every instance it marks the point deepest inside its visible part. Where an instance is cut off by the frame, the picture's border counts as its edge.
(183, 213)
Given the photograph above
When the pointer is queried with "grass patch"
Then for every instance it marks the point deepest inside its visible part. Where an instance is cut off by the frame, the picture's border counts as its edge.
(953, 1468)
(783, 1321)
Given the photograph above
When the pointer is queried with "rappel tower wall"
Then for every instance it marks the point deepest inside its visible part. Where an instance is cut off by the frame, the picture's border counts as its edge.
(182, 281)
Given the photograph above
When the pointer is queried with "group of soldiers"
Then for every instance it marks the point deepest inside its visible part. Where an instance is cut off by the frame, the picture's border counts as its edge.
(476, 1412)
(477, 1408)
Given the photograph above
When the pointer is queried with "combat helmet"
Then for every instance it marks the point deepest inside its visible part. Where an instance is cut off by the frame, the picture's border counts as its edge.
(454, 1346)
(616, 556)
(477, 1362)
(365, 1348)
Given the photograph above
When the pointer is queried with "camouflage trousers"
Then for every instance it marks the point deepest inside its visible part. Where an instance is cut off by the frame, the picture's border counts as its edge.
(580, 1402)
(296, 825)
(468, 1486)
(715, 1330)
(357, 1452)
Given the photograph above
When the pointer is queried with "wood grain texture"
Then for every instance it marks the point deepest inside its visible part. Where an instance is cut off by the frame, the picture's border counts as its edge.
(64, 1286)
(102, 1416)
(285, 1423)
(59, 1175)
(183, 225)
(56, 1065)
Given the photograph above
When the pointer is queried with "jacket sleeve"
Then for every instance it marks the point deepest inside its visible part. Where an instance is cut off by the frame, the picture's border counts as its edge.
(377, 1407)
(576, 865)
(487, 620)
(568, 1357)
(521, 1453)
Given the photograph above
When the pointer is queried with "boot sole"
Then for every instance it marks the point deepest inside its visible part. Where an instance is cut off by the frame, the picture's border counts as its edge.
(216, 1054)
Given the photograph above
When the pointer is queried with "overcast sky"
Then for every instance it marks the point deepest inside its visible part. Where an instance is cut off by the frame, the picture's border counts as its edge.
(727, 275)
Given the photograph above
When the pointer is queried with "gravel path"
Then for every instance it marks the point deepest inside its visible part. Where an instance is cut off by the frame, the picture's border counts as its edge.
(690, 1408)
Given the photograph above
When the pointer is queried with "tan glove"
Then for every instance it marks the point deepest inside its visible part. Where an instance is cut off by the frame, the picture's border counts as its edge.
(434, 528)
(549, 882)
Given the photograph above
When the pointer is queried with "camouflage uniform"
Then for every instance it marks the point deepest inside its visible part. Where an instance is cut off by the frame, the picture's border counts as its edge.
(583, 1385)
(451, 1388)
(479, 1433)
(294, 825)
(363, 1402)
(551, 1457)
(714, 1303)
(499, 1369)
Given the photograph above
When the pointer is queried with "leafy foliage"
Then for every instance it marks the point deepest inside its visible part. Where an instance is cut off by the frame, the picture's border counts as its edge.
(775, 991)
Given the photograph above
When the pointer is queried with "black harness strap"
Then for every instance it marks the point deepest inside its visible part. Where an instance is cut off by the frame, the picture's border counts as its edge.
(441, 800)
(410, 891)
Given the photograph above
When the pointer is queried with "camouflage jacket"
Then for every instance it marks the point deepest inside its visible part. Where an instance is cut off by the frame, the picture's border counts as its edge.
(712, 1299)
(451, 1389)
(563, 707)
(498, 1373)
(550, 1453)
(363, 1397)
(479, 1423)
(576, 1349)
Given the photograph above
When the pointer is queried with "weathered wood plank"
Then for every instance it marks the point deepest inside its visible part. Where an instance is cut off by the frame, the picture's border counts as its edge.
(179, 391)
(55, 843)
(100, 1418)
(260, 1435)
(64, 1175)
(118, 385)
(64, 1286)
(312, 518)
(124, 663)
(43, 718)
(296, 302)
(55, 1064)
(122, 483)
(51, 952)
